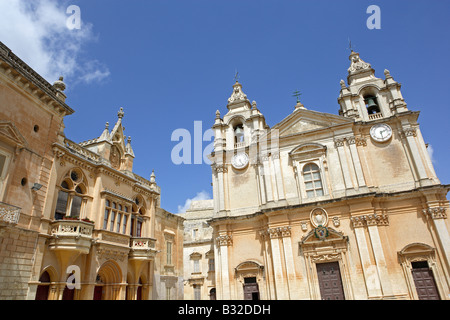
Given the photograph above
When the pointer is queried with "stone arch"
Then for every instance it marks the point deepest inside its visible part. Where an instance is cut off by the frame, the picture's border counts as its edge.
(109, 277)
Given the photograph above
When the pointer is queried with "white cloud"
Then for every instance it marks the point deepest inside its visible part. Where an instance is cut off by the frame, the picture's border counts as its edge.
(430, 152)
(203, 195)
(37, 32)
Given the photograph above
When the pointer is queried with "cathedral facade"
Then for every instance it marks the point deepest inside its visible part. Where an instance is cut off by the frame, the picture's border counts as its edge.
(76, 223)
(324, 206)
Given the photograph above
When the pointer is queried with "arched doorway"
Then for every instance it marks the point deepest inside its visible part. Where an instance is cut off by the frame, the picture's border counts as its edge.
(108, 281)
(212, 294)
(44, 286)
(98, 289)
(250, 274)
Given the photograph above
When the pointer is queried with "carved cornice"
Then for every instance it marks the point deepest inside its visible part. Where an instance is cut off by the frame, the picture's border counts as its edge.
(435, 213)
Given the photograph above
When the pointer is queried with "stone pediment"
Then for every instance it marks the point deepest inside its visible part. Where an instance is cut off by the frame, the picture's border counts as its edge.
(302, 121)
(332, 235)
(11, 135)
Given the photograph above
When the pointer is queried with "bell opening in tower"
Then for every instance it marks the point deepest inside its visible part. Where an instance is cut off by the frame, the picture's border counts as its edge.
(371, 105)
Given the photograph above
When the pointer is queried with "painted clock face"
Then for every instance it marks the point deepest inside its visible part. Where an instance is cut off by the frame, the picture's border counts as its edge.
(381, 132)
(239, 161)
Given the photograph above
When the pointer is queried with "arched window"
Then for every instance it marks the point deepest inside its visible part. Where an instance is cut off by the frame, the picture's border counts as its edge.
(137, 217)
(70, 195)
(313, 181)
(238, 133)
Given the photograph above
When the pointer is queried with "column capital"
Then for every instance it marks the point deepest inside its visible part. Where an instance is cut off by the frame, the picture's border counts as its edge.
(224, 240)
(370, 220)
(435, 213)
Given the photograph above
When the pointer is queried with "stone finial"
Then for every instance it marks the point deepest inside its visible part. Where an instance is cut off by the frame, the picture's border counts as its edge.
(357, 64)
(387, 74)
(153, 177)
(253, 104)
(59, 84)
(120, 114)
(237, 95)
(342, 83)
(217, 114)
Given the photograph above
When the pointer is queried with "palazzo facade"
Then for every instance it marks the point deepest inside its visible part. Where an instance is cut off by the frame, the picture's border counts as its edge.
(75, 221)
(324, 206)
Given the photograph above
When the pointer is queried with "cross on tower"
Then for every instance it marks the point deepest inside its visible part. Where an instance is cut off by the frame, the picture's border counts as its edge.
(297, 94)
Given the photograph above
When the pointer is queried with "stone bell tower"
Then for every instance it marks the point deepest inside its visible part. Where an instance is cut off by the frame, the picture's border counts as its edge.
(235, 147)
(241, 125)
(366, 97)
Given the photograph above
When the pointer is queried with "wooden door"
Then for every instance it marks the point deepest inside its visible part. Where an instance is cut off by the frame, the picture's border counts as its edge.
(251, 289)
(330, 281)
(98, 292)
(424, 281)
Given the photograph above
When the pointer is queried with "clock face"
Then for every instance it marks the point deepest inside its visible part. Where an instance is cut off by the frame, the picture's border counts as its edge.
(381, 132)
(240, 160)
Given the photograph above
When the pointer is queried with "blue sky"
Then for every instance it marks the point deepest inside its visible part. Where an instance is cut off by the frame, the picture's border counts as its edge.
(170, 63)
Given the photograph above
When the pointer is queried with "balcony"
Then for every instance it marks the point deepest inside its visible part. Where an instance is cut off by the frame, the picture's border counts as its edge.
(142, 248)
(9, 214)
(71, 235)
(375, 116)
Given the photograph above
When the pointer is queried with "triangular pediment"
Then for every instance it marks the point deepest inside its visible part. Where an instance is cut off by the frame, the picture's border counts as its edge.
(302, 121)
(331, 235)
(11, 135)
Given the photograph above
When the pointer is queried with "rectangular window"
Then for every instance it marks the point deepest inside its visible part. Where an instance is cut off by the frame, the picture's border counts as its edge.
(105, 219)
(211, 265)
(132, 226)
(196, 265)
(113, 219)
(2, 164)
(168, 291)
(169, 253)
(61, 205)
(76, 207)
(119, 218)
(138, 228)
(313, 181)
(197, 292)
(124, 229)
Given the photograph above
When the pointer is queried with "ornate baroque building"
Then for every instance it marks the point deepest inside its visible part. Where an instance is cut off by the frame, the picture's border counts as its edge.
(75, 221)
(324, 206)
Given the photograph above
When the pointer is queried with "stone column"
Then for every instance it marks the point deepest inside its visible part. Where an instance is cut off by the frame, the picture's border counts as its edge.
(340, 144)
(410, 134)
(221, 169)
(267, 179)
(370, 273)
(356, 162)
(437, 216)
(373, 220)
(223, 242)
(281, 289)
(289, 259)
(278, 175)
